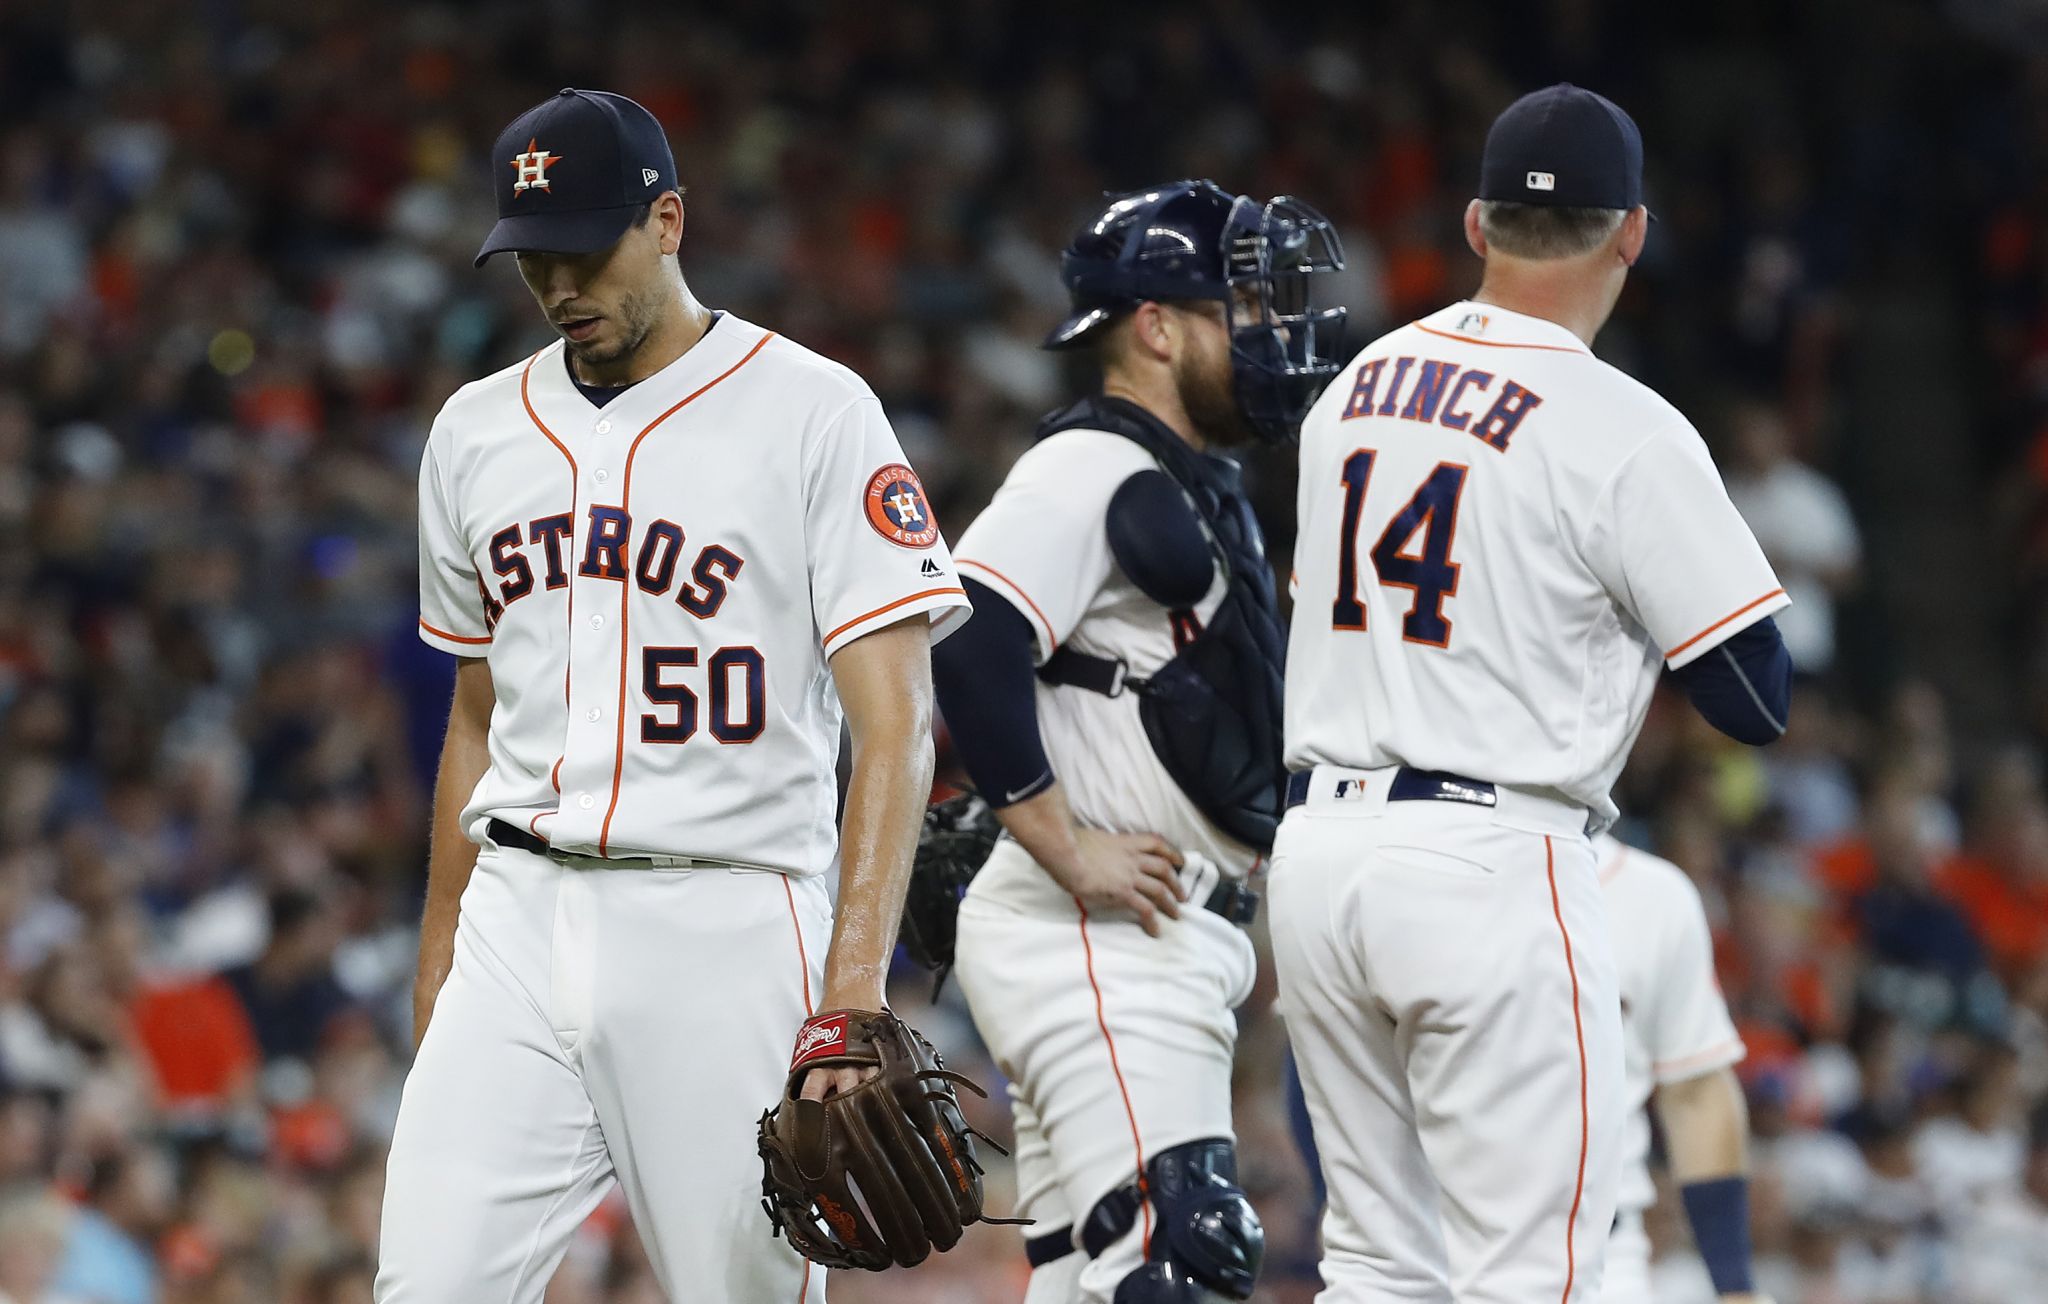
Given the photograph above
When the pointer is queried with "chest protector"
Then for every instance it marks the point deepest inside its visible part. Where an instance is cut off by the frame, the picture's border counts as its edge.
(1212, 713)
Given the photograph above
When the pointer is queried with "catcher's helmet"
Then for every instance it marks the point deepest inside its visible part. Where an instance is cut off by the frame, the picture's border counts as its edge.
(1195, 240)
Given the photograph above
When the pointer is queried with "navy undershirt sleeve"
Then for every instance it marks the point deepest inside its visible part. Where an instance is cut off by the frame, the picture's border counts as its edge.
(1744, 686)
(986, 683)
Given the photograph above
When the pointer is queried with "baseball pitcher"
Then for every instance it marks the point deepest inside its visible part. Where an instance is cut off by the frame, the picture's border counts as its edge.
(670, 549)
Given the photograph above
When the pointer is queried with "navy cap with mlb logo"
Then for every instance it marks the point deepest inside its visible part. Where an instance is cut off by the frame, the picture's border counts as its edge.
(572, 171)
(1566, 147)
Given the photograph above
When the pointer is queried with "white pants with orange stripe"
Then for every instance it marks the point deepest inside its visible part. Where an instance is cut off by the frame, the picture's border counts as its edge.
(1117, 1045)
(602, 1025)
(1448, 985)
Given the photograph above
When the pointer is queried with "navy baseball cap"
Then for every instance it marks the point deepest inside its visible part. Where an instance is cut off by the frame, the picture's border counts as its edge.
(1563, 146)
(572, 171)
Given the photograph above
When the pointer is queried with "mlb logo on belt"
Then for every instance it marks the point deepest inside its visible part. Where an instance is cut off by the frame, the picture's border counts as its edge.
(896, 507)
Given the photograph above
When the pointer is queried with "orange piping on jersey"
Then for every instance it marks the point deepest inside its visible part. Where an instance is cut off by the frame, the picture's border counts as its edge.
(1585, 1118)
(452, 638)
(803, 961)
(1708, 1056)
(887, 607)
(1733, 615)
(1014, 588)
(1102, 1022)
(803, 1292)
(542, 426)
(604, 832)
(1497, 344)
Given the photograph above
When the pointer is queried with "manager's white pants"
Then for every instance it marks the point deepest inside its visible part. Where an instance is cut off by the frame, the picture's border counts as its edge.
(602, 1024)
(1449, 988)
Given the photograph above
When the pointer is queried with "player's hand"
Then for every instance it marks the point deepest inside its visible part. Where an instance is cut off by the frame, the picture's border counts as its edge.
(822, 1082)
(1131, 872)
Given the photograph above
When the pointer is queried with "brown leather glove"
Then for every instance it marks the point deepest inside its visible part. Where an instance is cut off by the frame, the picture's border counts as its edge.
(878, 1176)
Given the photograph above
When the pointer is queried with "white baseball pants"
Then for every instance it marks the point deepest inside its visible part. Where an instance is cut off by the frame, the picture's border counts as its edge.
(603, 1024)
(1449, 988)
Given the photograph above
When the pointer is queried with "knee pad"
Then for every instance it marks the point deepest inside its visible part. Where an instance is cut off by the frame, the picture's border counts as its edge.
(1207, 1242)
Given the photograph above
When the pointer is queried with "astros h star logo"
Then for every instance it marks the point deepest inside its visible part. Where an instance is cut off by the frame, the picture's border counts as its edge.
(530, 170)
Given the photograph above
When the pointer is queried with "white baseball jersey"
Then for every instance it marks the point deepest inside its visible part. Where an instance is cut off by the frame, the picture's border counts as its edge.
(1503, 540)
(1674, 1023)
(659, 585)
(1117, 1044)
(1043, 544)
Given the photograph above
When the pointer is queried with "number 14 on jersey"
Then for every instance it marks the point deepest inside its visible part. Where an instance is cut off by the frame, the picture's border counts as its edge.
(1428, 572)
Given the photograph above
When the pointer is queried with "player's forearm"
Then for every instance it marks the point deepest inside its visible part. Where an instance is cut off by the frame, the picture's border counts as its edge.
(1044, 826)
(1706, 1127)
(451, 856)
(884, 681)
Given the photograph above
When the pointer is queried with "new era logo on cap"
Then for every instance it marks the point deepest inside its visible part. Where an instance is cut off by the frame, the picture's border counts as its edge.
(1542, 181)
(648, 176)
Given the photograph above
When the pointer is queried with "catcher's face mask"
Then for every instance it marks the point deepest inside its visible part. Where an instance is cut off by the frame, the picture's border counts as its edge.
(1282, 347)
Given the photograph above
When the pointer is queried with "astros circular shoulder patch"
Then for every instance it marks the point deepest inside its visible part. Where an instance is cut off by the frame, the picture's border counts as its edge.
(897, 507)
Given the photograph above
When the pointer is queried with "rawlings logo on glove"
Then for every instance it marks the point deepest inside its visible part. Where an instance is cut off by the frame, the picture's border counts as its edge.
(879, 1175)
(821, 1035)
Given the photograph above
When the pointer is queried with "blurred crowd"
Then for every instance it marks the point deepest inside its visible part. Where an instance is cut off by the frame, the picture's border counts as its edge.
(235, 285)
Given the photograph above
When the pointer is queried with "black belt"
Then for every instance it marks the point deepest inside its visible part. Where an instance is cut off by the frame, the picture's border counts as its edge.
(511, 835)
(1408, 785)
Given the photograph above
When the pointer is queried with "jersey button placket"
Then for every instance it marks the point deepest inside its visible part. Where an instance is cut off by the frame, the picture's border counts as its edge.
(591, 742)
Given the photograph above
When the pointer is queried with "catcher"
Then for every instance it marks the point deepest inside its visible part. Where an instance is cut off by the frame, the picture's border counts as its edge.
(1116, 698)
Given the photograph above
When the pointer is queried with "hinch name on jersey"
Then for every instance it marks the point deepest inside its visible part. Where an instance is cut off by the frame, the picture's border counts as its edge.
(1446, 393)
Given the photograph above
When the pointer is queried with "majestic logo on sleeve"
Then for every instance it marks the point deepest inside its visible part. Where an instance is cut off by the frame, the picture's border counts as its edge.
(897, 508)
(530, 170)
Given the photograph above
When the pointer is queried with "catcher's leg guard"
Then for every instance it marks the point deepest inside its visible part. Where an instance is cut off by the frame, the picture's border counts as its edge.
(1206, 1243)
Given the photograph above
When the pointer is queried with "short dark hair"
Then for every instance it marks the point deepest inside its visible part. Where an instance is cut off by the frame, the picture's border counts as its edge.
(1546, 230)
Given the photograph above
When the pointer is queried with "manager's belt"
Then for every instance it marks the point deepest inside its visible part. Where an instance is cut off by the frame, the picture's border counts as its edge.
(1408, 785)
(511, 835)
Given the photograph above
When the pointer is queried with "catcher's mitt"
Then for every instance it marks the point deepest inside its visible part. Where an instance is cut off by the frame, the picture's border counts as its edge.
(877, 1176)
(958, 834)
